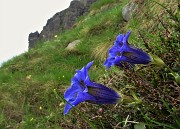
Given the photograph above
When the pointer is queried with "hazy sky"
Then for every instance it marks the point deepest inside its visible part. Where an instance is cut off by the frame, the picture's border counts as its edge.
(18, 18)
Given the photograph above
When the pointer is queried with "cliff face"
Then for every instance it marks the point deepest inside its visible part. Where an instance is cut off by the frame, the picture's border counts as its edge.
(33, 38)
(60, 21)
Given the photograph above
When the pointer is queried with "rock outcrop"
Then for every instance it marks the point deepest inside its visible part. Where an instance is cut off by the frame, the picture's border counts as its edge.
(33, 38)
(61, 21)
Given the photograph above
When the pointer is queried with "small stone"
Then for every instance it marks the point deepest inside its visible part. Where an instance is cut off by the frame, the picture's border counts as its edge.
(72, 45)
(128, 10)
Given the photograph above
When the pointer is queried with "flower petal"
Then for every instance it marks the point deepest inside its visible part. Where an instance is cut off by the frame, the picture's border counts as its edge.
(67, 108)
(119, 40)
(81, 74)
(125, 39)
(114, 51)
(103, 94)
(136, 56)
(81, 97)
(88, 66)
(104, 101)
(72, 92)
(109, 62)
(77, 93)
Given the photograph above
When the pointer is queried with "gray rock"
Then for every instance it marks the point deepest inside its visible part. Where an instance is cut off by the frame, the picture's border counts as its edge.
(128, 10)
(87, 3)
(75, 10)
(62, 20)
(53, 26)
(33, 39)
(72, 45)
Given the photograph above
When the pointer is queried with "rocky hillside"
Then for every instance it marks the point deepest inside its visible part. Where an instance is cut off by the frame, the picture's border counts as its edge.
(32, 85)
(60, 21)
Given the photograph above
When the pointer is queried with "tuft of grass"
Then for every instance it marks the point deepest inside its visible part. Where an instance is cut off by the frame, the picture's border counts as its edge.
(100, 51)
(101, 3)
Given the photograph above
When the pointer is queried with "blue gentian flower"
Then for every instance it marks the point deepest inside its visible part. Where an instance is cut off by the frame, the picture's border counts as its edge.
(83, 89)
(122, 52)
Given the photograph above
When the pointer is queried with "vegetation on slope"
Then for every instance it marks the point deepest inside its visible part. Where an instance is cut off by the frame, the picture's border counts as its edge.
(32, 84)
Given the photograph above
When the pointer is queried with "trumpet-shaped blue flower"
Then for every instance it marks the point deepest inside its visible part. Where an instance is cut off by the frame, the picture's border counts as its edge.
(83, 89)
(121, 52)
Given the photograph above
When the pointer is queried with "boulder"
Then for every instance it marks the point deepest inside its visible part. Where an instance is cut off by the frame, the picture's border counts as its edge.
(128, 10)
(72, 45)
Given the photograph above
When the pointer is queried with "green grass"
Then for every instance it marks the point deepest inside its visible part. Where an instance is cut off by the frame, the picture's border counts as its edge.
(33, 83)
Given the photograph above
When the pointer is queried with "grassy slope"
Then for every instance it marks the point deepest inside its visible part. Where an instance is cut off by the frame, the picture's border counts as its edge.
(27, 82)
